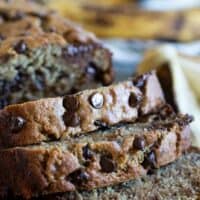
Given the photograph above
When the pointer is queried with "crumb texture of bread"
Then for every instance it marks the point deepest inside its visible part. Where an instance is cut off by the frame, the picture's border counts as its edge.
(104, 158)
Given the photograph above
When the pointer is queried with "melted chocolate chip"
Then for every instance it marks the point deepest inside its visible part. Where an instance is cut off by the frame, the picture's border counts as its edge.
(134, 99)
(96, 100)
(21, 47)
(150, 160)
(102, 125)
(40, 82)
(107, 164)
(4, 87)
(71, 119)
(87, 153)
(91, 70)
(71, 103)
(69, 51)
(140, 81)
(79, 177)
(166, 111)
(16, 124)
(139, 143)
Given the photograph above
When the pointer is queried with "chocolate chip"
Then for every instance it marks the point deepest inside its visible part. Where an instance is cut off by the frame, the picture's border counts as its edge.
(102, 125)
(21, 47)
(140, 81)
(83, 49)
(97, 100)
(71, 103)
(149, 160)
(71, 119)
(167, 111)
(134, 99)
(39, 82)
(16, 124)
(79, 177)
(139, 143)
(91, 70)
(87, 153)
(107, 164)
(69, 51)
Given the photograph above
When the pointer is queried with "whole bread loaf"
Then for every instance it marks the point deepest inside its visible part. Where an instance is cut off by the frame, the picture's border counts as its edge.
(103, 158)
(59, 118)
(45, 55)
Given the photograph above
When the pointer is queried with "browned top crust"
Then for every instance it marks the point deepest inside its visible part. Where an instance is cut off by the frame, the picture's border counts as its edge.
(59, 118)
(27, 21)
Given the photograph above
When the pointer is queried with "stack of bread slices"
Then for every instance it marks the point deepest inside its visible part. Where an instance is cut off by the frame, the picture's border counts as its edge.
(91, 139)
(85, 141)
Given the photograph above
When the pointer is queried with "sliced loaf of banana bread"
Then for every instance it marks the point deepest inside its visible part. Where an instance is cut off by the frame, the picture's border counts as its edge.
(59, 118)
(45, 55)
(103, 158)
(179, 180)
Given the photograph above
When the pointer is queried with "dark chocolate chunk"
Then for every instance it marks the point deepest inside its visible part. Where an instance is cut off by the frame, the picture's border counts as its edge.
(134, 99)
(21, 47)
(87, 153)
(71, 103)
(97, 100)
(140, 81)
(107, 164)
(91, 70)
(39, 82)
(102, 125)
(167, 111)
(139, 143)
(79, 177)
(69, 51)
(149, 160)
(4, 87)
(71, 119)
(16, 124)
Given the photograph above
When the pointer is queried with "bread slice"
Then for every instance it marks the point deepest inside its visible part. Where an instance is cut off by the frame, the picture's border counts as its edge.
(59, 118)
(103, 158)
(45, 55)
(179, 180)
